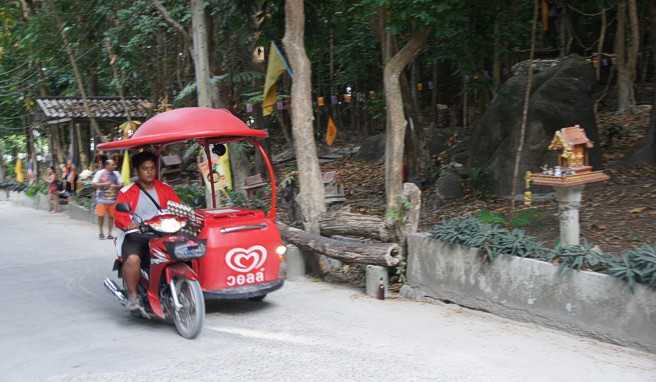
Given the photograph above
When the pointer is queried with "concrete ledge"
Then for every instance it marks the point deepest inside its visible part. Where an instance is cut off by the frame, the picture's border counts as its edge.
(587, 303)
(41, 202)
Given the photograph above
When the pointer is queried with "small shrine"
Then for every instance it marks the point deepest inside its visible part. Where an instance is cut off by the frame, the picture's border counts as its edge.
(574, 145)
(573, 167)
(568, 178)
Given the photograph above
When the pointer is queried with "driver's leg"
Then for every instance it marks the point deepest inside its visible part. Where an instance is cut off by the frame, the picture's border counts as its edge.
(131, 272)
(134, 246)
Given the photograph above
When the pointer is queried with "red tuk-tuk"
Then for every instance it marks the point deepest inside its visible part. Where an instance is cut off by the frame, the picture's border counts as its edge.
(244, 252)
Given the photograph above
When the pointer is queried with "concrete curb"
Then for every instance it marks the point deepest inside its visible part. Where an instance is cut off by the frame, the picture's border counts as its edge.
(586, 303)
(41, 202)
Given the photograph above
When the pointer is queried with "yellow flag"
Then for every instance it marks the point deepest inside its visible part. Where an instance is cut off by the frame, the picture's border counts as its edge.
(125, 168)
(331, 132)
(275, 67)
(20, 177)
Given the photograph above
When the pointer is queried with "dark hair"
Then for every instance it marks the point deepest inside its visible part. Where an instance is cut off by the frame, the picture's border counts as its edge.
(142, 157)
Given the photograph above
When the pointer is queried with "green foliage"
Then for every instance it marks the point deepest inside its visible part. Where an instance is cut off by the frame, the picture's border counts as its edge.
(521, 219)
(492, 239)
(636, 265)
(187, 92)
(398, 214)
(38, 187)
(578, 257)
(192, 195)
(489, 217)
(527, 217)
(258, 202)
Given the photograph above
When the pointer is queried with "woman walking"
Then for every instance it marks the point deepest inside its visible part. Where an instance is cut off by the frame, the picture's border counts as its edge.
(53, 191)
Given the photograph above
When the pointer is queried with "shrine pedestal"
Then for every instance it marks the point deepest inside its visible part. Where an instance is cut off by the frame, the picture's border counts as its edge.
(569, 192)
(569, 203)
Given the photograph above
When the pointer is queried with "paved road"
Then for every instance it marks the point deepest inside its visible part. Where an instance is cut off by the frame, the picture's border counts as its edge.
(57, 323)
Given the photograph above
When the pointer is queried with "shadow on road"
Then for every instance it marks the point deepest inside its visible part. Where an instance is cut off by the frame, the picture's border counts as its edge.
(236, 307)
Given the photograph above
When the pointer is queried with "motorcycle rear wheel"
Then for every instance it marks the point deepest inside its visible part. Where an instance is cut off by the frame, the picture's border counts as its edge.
(189, 318)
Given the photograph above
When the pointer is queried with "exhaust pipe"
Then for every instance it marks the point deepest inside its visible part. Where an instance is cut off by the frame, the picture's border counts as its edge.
(113, 288)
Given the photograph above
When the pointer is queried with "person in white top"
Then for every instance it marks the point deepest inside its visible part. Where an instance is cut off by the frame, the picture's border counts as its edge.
(107, 182)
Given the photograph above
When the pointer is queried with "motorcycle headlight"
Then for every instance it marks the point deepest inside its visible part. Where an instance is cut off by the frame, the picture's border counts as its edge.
(169, 225)
(281, 250)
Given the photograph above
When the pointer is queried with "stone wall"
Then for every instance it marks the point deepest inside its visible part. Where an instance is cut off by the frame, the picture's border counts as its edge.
(586, 303)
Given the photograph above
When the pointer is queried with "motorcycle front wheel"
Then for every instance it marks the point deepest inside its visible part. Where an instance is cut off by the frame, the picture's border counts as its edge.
(189, 318)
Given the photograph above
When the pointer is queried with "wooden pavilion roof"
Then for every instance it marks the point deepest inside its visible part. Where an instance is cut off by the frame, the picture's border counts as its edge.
(101, 107)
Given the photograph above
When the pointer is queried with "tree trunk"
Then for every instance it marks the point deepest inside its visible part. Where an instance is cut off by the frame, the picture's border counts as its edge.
(347, 251)
(396, 126)
(434, 109)
(527, 96)
(311, 189)
(346, 223)
(2, 164)
(496, 65)
(280, 116)
(648, 152)
(602, 39)
(76, 70)
(84, 159)
(626, 55)
(31, 150)
(207, 95)
(58, 148)
(652, 37)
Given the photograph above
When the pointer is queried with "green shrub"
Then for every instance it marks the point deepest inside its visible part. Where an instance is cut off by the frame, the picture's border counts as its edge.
(192, 195)
(258, 202)
(36, 188)
(523, 218)
(492, 239)
(636, 265)
(527, 217)
(578, 257)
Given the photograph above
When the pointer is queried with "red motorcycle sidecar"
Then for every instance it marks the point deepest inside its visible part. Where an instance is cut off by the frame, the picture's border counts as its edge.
(245, 255)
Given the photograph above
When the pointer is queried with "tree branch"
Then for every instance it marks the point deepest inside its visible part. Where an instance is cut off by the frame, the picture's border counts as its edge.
(167, 17)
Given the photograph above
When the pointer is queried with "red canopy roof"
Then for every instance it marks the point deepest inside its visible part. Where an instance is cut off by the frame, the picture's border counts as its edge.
(185, 124)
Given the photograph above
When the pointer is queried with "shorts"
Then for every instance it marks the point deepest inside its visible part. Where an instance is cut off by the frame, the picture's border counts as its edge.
(137, 244)
(105, 209)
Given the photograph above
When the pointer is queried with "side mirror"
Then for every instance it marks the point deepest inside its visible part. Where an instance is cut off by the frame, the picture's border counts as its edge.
(123, 207)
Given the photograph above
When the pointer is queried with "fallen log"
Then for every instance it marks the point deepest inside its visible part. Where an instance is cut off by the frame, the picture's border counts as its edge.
(347, 251)
(346, 223)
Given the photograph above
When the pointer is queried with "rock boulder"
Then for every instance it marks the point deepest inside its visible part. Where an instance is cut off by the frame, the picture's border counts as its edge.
(560, 97)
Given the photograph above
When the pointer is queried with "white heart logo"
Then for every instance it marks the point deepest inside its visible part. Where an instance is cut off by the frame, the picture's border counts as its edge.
(245, 260)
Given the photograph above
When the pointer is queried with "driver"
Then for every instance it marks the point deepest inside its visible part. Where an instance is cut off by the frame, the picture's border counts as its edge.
(146, 197)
